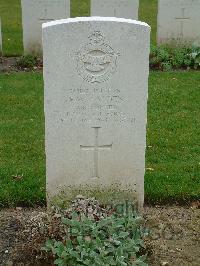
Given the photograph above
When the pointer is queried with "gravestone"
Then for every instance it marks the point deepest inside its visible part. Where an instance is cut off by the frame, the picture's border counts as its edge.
(36, 12)
(96, 85)
(1, 49)
(115, 8)
(178, 22)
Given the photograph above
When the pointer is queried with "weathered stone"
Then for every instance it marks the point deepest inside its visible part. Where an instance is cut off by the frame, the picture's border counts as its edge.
(96, 86)
(36, 12)
(115, 8)
(178, 22)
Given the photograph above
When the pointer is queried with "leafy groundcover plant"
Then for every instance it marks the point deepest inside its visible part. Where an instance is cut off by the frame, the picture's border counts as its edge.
(112, 240)
(28, 62)
(167, 58)
(162, 58)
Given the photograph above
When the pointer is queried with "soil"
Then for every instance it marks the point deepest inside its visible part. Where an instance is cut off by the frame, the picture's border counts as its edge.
(174, 237)
(8, 64)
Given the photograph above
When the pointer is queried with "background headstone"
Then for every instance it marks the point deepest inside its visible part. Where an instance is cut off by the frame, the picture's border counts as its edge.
(178, 21)
(96, 86)
(1, 47)
(115, 8)
(36, 12)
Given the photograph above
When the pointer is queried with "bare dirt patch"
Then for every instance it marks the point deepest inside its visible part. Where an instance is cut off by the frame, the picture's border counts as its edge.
(8, 64)
(11, 64)
(175, 235)
(174, 238)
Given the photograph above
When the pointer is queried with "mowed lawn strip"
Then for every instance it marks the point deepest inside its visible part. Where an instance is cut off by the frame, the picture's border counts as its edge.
(22, 161)
(10, 12)
(173, 148)
(173, 151)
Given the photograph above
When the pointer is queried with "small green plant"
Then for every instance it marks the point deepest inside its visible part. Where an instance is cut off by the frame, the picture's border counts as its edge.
(158, 57)
(114, 240)
(27, 61)
(194, 56)
(167, 58)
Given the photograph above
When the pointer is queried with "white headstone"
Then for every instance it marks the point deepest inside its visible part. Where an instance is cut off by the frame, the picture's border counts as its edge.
(1, 49)
(96, 86)
(178, 21)
(115, 8)
(36, 12)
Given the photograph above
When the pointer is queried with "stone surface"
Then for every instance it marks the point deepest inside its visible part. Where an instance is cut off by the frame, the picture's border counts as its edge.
(178, 21)
(96, 86)
(1, 49)
(115, 8)
(36, 12)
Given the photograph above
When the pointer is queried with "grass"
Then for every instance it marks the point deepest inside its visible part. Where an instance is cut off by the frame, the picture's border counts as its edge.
(173, 153)
(10, 12)
(21, 139)
(148, 14)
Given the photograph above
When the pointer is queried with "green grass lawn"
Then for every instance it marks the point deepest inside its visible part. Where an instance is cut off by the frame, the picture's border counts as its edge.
(10, 11)
(173, 153)
(173, 150)
(21, 139)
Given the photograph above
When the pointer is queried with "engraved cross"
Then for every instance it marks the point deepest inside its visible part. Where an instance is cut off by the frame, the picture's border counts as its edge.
(46, 19)
(96, 148)
(182, 19)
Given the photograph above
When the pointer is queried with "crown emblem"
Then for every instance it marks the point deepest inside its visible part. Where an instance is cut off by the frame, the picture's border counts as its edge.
(96, 37)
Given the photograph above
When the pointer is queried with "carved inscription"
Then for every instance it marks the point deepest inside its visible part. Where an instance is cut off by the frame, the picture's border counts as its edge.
(95, 104)
(44, 18)
(96, 60)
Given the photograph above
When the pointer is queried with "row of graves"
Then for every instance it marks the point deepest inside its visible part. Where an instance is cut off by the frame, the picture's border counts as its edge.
(177, 20)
